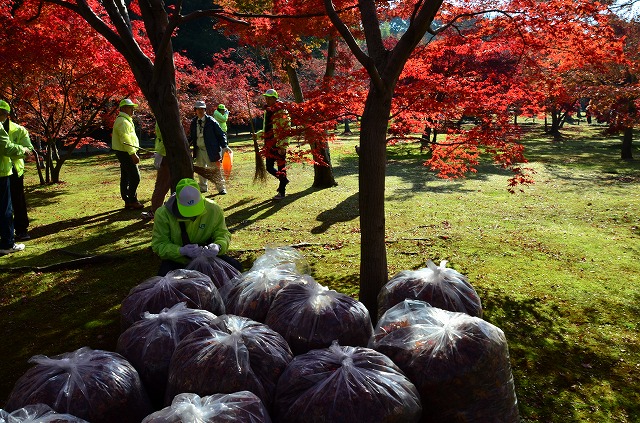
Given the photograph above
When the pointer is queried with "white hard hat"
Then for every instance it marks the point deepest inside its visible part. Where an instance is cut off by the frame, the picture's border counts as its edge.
(200, 105)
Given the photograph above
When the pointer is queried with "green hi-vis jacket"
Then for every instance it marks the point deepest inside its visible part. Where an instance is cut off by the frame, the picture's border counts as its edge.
(221, 118)
(123, 137)
(275, 124)
(19, 135)
(160, 149)
(8, 150)
(205, 229)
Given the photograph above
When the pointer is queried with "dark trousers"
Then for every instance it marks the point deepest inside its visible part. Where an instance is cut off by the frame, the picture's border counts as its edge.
(281, 173)
(129, 177)
(168, 265)
(6, 214)
(19, 203)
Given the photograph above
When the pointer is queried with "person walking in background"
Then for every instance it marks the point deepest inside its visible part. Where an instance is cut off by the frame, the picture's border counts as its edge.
(124, 142)
(221, 115)
(163, 177)
(209, 142)
(276, 123)
(187, 226)
(18, 135)
(7, 151)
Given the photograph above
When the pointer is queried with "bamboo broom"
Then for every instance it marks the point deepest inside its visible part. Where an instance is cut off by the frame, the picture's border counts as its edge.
(260, 173)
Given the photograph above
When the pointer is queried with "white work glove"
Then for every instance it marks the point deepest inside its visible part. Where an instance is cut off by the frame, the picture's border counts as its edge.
(211, 250)
(191, 250)
(227, 150)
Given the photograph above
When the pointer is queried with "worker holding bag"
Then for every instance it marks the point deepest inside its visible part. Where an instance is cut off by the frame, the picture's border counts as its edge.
(187, 226)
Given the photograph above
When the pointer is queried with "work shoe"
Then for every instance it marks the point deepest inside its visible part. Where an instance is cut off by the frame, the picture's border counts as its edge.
(147, 215)
(222, 192)
(23, 236)
(278, 196)
(134, 206)
(15, 248)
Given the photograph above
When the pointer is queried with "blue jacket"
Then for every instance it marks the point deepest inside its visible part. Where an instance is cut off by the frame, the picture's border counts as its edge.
(214, 138)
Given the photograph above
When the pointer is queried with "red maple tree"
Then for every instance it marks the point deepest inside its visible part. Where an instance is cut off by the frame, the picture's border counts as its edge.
(66, 90)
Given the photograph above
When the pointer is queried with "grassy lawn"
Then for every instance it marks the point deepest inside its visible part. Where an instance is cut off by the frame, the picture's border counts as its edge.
(557, 266)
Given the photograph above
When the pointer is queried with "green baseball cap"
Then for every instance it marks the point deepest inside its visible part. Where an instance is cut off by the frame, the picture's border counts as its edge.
(127, 102)
(189, 199)
(5, 106)
(271, 93)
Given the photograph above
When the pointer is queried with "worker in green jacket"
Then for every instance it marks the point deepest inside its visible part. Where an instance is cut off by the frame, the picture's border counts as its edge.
(221, 115)
(124, 142)
(7, 151)
(187, 226)
(19, 135)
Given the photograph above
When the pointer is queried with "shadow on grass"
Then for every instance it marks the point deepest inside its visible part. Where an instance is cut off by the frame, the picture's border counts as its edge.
(73, 309)
(344, 211)
(247, 213)
(407, 163)
(587, 149)
(548, 363)
(99, 234)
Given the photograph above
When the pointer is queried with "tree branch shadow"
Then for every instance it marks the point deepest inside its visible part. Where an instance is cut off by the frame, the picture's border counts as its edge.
(244, 217)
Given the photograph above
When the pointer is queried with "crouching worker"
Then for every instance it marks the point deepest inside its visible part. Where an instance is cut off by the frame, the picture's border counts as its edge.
(189, 225)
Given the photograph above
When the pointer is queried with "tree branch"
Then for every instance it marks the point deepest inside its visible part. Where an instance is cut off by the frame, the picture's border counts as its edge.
(366, 61)
(420, 24)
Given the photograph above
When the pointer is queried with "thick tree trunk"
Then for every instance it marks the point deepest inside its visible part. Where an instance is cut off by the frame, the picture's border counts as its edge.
(555, 125)
(627, 144)
(159, 88)
(323, 175)
(372, 169)
(166, 110)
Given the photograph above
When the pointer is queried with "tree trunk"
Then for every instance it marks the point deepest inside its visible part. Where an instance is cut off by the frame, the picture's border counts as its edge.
(294, 81)
(627, 143)
(55, 172)
(555, 124)
(165, 107)
(332, 49)
(372, 169)
(158, 85)
(323, 175)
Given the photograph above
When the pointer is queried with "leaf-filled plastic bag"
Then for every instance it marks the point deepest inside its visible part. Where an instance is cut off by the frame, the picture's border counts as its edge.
(149, 344)
(238, 407)
(459, 363)
(309, 316)
(232, 354)
(440, 286)
(217, 269)
(193, 288)
(95, 385)
(345, 384)
(252, 293)
(37, 413)
(283, 257)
